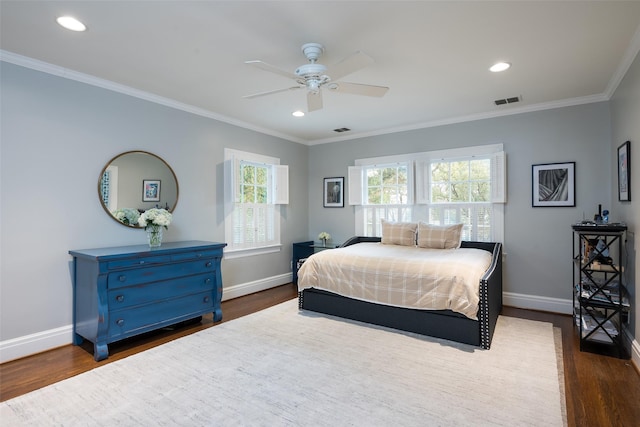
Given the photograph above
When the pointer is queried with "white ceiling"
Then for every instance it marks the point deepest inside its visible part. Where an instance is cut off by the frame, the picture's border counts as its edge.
(434, 56)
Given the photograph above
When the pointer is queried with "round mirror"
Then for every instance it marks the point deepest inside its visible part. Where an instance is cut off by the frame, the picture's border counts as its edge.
(135, 181)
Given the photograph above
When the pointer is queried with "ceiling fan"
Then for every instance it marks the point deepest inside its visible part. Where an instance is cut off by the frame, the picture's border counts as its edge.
(314, 76)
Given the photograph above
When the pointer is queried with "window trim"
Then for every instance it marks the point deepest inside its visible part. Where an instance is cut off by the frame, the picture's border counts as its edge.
(278, 195)
(420, 180)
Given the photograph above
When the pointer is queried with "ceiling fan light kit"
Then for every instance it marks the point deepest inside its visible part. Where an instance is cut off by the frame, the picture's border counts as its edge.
(314, 76)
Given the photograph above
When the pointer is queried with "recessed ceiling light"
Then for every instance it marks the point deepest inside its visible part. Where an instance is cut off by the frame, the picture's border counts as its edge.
(499, 66)
(71, 23)
(298, 113)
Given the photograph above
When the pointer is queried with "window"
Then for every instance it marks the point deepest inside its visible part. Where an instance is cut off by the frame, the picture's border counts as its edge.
(451, 186)
(461, 181)
(386, 195)
(256, 185)
(460, 192)
(383, 189)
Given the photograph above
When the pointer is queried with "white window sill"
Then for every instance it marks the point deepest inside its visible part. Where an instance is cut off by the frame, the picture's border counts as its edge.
(241, 253)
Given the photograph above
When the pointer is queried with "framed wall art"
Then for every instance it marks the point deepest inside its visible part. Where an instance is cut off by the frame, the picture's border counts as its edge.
(150, 190)
(624, 173)
(333, 192)
(554, 184)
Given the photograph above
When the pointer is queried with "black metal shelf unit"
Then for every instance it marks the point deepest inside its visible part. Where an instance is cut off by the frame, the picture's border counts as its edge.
(600, 299)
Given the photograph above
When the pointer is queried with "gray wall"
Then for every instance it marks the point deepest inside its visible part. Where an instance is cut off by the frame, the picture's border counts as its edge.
(56, 137)
(625, 125)
(537, 240)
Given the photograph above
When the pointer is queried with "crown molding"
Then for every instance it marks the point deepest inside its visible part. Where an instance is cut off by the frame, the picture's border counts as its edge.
(625, 64)
(66, 73)
(473, 117)
(48, 68)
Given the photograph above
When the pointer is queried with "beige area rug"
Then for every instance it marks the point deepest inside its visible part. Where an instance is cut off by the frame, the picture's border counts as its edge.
(283, 367)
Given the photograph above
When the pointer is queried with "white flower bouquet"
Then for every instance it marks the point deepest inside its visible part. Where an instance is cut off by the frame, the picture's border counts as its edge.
(324, 236)
(155, 216)
(128, 216)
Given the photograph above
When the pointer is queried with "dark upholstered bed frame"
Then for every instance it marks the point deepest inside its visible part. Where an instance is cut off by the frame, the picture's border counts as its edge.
(436, 323)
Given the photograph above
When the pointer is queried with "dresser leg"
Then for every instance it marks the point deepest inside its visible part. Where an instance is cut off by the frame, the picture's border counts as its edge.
(100, 352)
(217, 315)
(77, 339)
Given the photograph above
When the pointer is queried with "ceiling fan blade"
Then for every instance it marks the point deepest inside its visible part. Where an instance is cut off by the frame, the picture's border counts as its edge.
(255, 95)
(314, 101)
(272, 69)
(358, 89)
(349, 65)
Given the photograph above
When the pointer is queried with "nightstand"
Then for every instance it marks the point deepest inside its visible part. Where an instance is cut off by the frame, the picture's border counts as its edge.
(302, 251)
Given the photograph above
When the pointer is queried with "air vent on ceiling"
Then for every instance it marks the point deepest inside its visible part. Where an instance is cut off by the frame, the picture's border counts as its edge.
(504, 101)
(340, 130)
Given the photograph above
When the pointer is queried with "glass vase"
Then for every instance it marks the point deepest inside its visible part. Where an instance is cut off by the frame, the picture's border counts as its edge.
(154, 235)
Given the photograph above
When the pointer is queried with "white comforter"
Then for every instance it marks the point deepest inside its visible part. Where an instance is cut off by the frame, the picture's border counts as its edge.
(403, 276)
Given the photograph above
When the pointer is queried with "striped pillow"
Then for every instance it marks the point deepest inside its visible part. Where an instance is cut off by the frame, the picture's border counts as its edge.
(399, 233)
(439, 236)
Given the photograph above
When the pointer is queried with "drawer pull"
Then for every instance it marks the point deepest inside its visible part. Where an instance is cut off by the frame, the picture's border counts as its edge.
(122, 278)
(209, 264)
(207, 280)
(206, 299)
(141, 261)
(120, 298)
(120, 322)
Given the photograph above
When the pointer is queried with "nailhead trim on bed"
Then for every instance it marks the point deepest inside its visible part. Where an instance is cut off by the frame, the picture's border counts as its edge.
(483, 316)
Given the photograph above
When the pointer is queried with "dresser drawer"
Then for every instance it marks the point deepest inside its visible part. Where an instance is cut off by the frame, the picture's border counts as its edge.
(138, 262)
(120, 298)
(137, 276)
(185, 256)
(128, 322)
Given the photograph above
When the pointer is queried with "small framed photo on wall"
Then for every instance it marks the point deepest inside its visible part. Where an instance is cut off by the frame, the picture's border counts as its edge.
(624, 173)
(554, 184)
(151, 190)
(333, 193)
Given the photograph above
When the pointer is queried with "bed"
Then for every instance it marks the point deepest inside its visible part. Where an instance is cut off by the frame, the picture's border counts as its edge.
(469, 325)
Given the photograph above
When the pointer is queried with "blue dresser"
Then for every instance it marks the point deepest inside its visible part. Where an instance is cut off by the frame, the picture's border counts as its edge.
(125, 291)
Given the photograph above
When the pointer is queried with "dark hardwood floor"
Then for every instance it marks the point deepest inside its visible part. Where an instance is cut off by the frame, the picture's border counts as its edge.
(600, 391)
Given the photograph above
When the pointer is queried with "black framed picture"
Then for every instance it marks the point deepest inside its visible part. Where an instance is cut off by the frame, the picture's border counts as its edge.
(150, 190)
(624, 172)
(333, 193)
(554, 184)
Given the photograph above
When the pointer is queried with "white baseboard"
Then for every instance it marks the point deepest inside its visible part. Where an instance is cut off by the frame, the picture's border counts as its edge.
(255, 286)
(534, 302)
(27, 345)
(35, 343)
